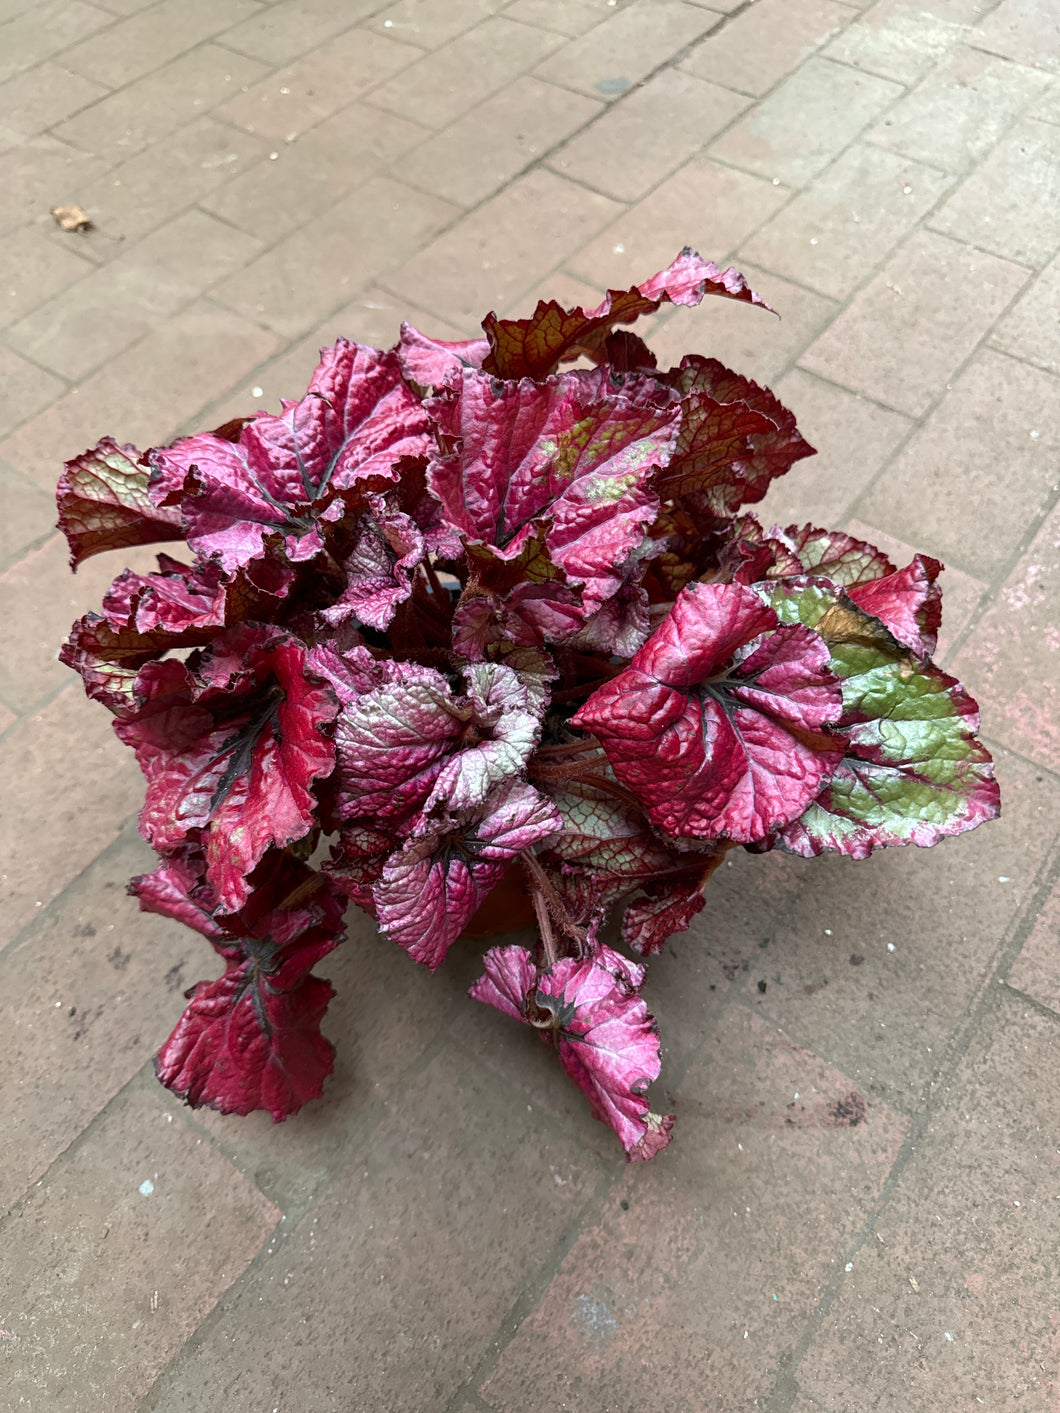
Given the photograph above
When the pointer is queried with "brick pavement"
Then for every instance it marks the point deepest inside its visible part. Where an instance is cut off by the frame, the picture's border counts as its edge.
(448, 1229)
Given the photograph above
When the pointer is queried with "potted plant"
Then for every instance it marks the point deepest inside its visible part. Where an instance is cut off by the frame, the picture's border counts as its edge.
(466, 627)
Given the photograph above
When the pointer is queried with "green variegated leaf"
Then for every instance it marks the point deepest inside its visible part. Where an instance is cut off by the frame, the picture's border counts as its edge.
(914, 771)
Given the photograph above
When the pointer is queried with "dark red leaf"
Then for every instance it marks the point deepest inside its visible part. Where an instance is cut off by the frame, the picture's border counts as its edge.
(104, 504)
(231, 744)
(535, 347)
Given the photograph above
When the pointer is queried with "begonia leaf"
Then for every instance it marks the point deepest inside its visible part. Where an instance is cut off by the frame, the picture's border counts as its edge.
(231, 743)
(913, 771)
(177, 888)
(834, 555)
(535, 347)
(669, 906)
(909, 601)
(576, 451)
(720, 735)
(357, 860)
(501, 729)
(351, 431)
(729, 458)
(391, 743)
(607, 1041)
(429, 891)
(431, 362)
(379, 566)
(103, 503)
(251, 1039)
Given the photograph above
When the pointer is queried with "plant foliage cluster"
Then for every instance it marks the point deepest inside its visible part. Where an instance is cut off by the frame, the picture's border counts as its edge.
(480, 625)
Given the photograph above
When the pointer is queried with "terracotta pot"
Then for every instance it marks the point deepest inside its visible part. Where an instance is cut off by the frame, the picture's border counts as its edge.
(507, 909)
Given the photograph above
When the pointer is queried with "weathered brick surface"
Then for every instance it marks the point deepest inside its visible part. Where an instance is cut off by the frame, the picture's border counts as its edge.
(806, 122)
(422, 1269)
(278, 33)
(27, 388)
(627, 46)
(89, 991)
(1037, 968)
(705, 204)
(144, 394)
(431, 23)
(149, 109)
(31, 174)
(40, 98)
(834, 234)
(290, 101)
(50, 833)
(959, 111)
(39, 31)
(765, 42)
(853, 437)
(619, 153)
(1013, 652)
(306, 177)
(28, 515)
(32, 268)
(312, 271)
(129, 200)
(263, 177)
(991, 413)
(902, 39)
(490, 257)
(1031, 330)
(901, 338)
(81, 328)
(485, 148)
(1025, 30)
(1021, 173)
(142, 42)
(110, 1264)
(445, 84)
(667, 1299)
(891, 1019)
(955, 1303)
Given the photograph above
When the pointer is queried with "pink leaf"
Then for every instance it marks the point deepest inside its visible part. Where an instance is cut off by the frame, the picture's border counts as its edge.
(432, 362)
(570, 458)
(351, 431)
(720, 735)
(431, 889)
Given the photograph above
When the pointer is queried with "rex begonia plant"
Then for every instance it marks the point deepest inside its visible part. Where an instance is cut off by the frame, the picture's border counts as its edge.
(470, 623)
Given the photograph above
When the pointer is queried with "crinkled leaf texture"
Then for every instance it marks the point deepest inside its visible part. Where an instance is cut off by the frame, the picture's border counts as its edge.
(104, 504)
(230, 745)
(286, 476)
(415, 742)
(569, 459)
(607, 1041)
(251, 1039)
(721, 723)
(535, 347)
(913, 770)
(430, 890)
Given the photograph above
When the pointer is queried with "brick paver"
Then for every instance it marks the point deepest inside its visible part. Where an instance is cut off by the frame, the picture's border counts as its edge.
(858, 1213)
